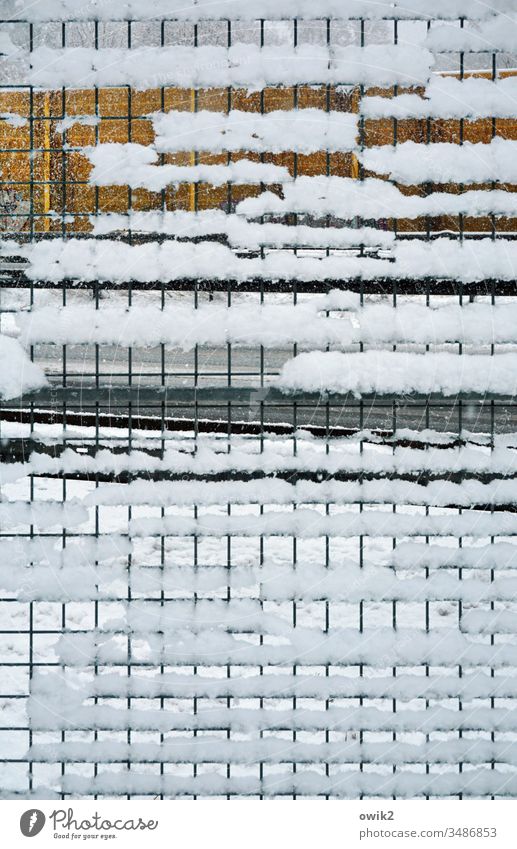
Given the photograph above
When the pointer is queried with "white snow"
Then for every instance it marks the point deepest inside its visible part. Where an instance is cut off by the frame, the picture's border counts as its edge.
(273, 749)
(71, 121)
(186, 493)
(306, 646)
(42, 515)
(306, 523)
(275, 456)
(343, 582)
(412, 162)
(136, 166)
(269, 325)
(388, 372)
(240, 232)
(300, 130)
(447, 97)
(252, 10)
(244, 65)
(469, 261)
(498, 34)
(17, 373)
(14, 120)
(473, 684)
(478, 782)
(373, 198)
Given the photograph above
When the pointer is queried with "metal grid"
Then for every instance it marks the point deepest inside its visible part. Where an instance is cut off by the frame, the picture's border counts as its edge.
(155, 399)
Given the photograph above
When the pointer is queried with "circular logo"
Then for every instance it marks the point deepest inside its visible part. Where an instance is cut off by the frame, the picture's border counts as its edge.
(31, 822)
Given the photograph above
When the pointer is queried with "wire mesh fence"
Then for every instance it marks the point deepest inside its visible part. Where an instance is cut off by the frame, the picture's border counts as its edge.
(223, 577)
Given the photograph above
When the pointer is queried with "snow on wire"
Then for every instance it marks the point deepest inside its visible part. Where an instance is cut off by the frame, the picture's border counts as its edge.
(258, 353)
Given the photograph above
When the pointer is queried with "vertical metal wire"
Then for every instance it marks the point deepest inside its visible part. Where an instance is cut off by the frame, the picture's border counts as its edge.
(64, 196)
(460, 408)
(361, 611)
(262, 43)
